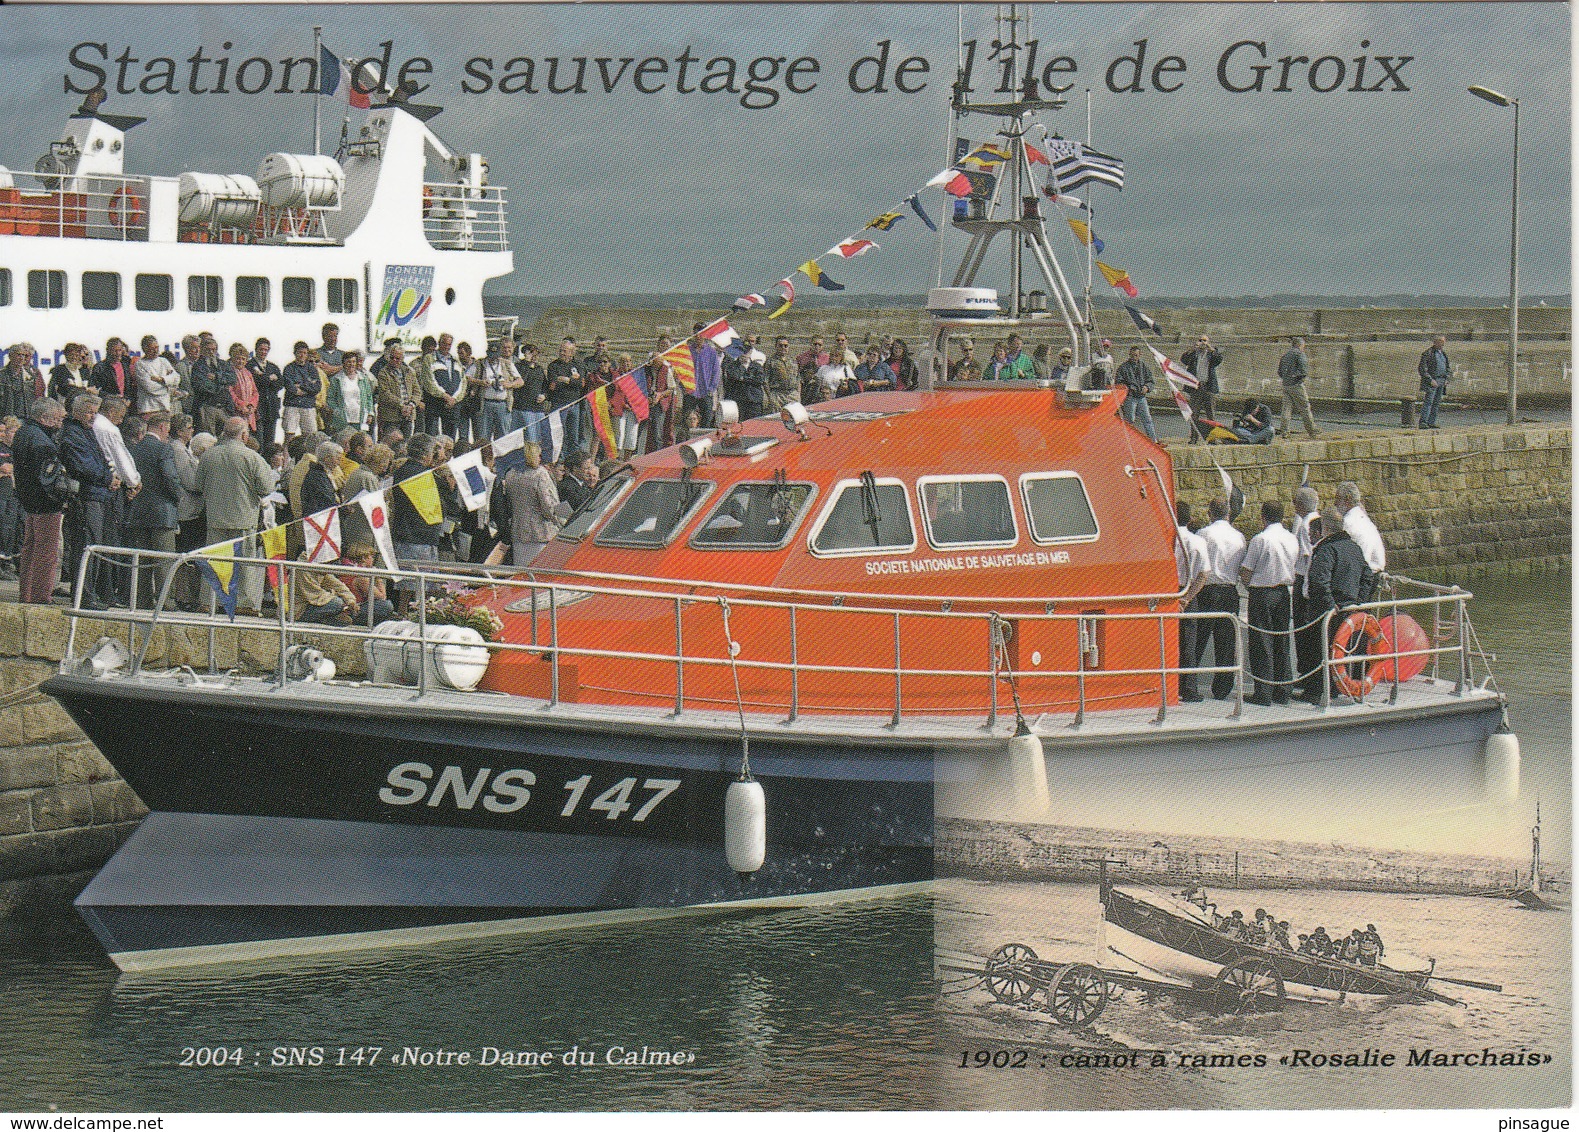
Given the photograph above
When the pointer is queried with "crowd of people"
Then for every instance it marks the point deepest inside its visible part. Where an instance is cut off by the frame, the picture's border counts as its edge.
(1329, 560)
(1266, 930)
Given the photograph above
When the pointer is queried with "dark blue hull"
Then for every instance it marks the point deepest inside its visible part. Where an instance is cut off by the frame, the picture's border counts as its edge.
(278, 822)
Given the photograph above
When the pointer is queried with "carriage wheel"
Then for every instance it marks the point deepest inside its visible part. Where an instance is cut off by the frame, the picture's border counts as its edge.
(1077, 994)
(1249, 983)
(1007, 974)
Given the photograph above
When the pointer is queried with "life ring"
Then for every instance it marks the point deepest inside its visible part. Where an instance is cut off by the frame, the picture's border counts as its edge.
(126, 208)
(1359, 634)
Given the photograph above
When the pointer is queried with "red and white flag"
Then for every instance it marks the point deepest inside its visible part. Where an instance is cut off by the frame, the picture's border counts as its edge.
(377, 512)
(1174, 373)
(850, 248)
(321, 532)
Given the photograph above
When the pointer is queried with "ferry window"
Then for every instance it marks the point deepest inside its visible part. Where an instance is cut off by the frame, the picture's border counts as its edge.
(585, 519)
(296, 294)
(252, 294)
(204, 294)
(342, 296)
(101, 290)
(756, 516)
(5, 286)
(866, 515)
(968, 511)
(46, 290)
(155, 292)
(654, 512)
(1058, 508)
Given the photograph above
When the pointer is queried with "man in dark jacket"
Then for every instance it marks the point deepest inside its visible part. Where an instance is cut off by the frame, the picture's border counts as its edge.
(271, 383)
(1338, 576)
(1434, 370)
(302, 382)
(212, 378)
(36, 462)
(151, 520)
(84, 461)
(116, 375)
(1202, 362)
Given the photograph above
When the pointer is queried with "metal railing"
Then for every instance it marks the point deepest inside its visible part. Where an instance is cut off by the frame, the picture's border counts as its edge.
(102, 207)
(460, 218)
(1451, 636)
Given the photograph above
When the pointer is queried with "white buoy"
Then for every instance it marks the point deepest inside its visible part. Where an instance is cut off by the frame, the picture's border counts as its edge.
(324, 670)
(1027, 774)
(745, 826)
(1502, 766)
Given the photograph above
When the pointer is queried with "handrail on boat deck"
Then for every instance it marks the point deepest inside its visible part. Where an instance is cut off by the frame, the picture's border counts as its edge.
(1453, 643)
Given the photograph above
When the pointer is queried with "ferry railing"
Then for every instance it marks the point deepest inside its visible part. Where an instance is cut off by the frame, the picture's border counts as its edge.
(97, 206)
(461, 218)
(166, 566)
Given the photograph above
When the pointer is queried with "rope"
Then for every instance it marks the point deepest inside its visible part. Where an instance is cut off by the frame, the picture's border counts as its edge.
(20, 694)
(1000, 660)
(740, 707)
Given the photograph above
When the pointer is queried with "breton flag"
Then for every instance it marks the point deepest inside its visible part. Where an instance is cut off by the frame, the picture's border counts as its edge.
(1176, 374)
(850, 248)
(813, 271)
(377, 512)
(219, 570)
(1118, 279)
(915, 206)
(472, 479)
(321, 533)
(1083, 233)
(884, 222)
(1075, 165)
(1144, 320)
(334, 72)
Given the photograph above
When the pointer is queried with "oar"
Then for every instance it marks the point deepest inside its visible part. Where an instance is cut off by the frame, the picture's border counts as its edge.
(1468, 983)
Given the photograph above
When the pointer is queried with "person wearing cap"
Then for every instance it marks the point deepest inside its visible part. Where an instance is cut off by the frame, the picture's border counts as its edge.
(967, 355)
(1101, 374)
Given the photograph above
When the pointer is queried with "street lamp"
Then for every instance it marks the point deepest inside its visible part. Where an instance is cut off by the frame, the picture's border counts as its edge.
(1496, 99)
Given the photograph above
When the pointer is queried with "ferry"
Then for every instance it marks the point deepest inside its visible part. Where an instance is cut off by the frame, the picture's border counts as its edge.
(747, 673)
(364, 238)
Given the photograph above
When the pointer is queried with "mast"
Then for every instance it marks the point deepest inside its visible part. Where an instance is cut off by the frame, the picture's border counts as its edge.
(1535, 852)
(318, 89)
(1091, 223)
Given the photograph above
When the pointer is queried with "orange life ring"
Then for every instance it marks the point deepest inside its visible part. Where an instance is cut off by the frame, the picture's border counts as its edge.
(1359, 634)
(126, 208)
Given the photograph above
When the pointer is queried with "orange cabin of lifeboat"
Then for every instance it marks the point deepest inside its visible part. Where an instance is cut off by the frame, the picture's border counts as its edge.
(988, 499)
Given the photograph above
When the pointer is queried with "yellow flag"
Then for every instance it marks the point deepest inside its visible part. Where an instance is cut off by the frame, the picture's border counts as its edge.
(273, 541)
(1082, 231)
(424, 495)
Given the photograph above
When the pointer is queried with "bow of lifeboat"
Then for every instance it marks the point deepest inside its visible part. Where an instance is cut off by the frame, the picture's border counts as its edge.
(820, 627)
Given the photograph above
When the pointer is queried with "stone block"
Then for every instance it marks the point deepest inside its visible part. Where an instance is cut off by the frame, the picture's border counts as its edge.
(62, 807)
(13, 630)
(19, 674)
(115, 803)
(87, 847)
(80, 762)
(16, 813)
(26, 855)
(46, 719)
(22, 768)
(45, 632)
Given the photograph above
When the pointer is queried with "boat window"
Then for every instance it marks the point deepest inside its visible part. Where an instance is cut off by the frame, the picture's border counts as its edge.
(154, 292)
(866, 514)
(585, 519)
(46, 290)
(101, 290)
(1058, 508)
(5, 286)
(252, 294)
(204, 294)
(342, 296)
(654, 512)
(967, 511)
(761, 515)
(296, 294)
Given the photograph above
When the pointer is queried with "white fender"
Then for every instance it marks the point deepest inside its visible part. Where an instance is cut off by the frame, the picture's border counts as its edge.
(745, 826)
(1027, 775)
(1502, 766)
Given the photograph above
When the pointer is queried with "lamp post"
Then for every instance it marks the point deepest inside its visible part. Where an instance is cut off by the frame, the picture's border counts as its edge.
(1496, 99)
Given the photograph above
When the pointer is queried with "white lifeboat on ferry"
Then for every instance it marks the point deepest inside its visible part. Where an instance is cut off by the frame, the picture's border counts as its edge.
(230, 200)
(301, 180)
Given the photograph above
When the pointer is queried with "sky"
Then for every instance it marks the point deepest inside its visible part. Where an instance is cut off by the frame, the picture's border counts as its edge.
(1227, 192)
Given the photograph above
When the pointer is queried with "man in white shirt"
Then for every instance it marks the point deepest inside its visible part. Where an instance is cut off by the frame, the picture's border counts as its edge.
(158, 384)
(1268, 573)
(1225, 552)
(1358, 525)
(107, 431)
(1189, 551)
(1307, 505)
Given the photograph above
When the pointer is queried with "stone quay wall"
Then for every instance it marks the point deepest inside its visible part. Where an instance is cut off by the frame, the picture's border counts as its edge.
(1063, 853)
(1460, 502)
(63, 808)
(1358, 356)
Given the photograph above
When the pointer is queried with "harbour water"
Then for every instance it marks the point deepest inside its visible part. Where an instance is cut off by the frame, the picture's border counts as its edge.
(826, 1008)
